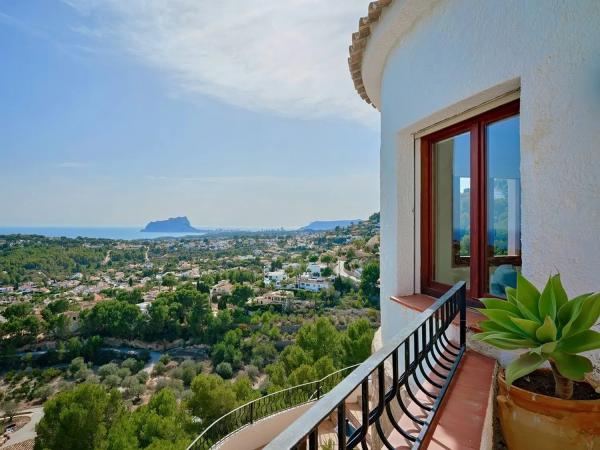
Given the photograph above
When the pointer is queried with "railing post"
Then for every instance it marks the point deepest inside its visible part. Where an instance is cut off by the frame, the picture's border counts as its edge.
(318, 389)
(252, 413)
(462, 303)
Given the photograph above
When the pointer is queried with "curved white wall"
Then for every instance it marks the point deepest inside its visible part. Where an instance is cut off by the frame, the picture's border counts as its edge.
(460, 53)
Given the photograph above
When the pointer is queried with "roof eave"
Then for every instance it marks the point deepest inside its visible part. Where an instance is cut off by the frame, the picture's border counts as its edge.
(359, 44)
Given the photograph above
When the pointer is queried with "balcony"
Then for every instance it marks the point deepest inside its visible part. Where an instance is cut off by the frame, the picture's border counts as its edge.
(254, 424)
(423, 389)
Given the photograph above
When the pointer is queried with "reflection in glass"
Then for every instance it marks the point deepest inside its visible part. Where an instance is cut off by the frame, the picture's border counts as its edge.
(452, 216)
(503, 204)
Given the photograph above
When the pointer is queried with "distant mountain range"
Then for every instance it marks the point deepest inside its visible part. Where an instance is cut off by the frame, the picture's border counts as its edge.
(171, 225)
(182, 225)
(326, 225)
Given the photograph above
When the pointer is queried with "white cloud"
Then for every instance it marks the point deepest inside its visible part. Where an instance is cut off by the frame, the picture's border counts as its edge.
(286, 56)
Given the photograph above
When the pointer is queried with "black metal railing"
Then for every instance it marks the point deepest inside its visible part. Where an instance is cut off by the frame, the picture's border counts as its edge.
(266, 406)
(411, 374)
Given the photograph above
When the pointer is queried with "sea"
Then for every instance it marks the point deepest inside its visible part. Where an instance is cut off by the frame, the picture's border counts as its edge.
(123, 233)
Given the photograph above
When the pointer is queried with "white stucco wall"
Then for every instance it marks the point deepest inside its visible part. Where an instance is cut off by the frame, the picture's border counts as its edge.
(431, 59)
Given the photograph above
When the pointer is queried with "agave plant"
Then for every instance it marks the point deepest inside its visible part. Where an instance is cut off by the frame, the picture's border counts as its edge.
(548, 325)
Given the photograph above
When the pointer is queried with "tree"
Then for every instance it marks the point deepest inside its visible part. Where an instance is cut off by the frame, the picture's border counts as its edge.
(228, 350)
(277, 375)
(241, 294)
(211, 398)
(197, 318)
(132, 364)
(292, 357)
(133, 387)
(169, 280)
(319, 339)
(342, 285)
(112, 318)
(134, 296)
(326, 259)
(77, 365)
(10, 409)
(356, 342)
(59, 325)
(324, 366)
(303, 374)
(264, 353)
(202, 287)
(161, 421)
(224, 370)
(326, 272)
(108, 369)
(242, 387)
(73, 347)
(163, 322)
(276, 264)
(78, 419)
(329, 296)
(160, 425)
(112, 380)
(43, 392)
(369, 283)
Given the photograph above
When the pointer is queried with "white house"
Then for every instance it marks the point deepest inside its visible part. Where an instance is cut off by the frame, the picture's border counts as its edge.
(274, 277)
(489, 143)
(314, 269)
(313, 284)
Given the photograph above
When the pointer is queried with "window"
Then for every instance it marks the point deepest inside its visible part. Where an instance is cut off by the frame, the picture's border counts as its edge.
(471, 204)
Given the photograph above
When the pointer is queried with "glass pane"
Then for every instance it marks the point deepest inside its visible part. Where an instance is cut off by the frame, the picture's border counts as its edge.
(452, 215)
(503, 204)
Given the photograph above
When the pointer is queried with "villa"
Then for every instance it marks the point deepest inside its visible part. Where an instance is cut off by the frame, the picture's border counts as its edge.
(312, 284)
(280, 298)
(223, 287)
(275, 277)
(490, 134)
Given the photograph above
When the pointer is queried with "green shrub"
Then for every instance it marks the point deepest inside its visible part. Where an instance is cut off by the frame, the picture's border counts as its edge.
(225, 370)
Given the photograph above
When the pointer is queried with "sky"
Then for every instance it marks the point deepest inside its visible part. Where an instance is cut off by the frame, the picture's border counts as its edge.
(235, 114)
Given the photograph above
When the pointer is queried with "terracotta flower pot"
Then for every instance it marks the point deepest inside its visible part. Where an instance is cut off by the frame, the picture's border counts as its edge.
(533, 421)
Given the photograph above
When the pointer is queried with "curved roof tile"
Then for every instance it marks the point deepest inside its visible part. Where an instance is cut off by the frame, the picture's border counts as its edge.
(359, 43)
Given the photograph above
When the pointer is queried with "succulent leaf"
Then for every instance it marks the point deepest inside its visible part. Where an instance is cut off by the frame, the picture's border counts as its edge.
(547, 305)
(577, 307)
(511, 294)
(489, 325)
(580, 342)
(508, 343)
(502, 317)
(570, 310)
(495, 303)
(547, 332)
(523, 365)
(528, 297)
(590, 312)
(549, 347)
(573, 367)
(529, 327)
(560, 295)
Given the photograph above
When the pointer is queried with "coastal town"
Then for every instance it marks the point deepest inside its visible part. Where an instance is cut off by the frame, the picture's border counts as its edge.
(142, 315)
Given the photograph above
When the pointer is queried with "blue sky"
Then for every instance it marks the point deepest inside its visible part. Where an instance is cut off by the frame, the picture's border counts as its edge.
(117, 113)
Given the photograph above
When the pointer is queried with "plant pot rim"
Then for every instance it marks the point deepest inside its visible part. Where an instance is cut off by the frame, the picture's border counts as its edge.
(556, 402)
